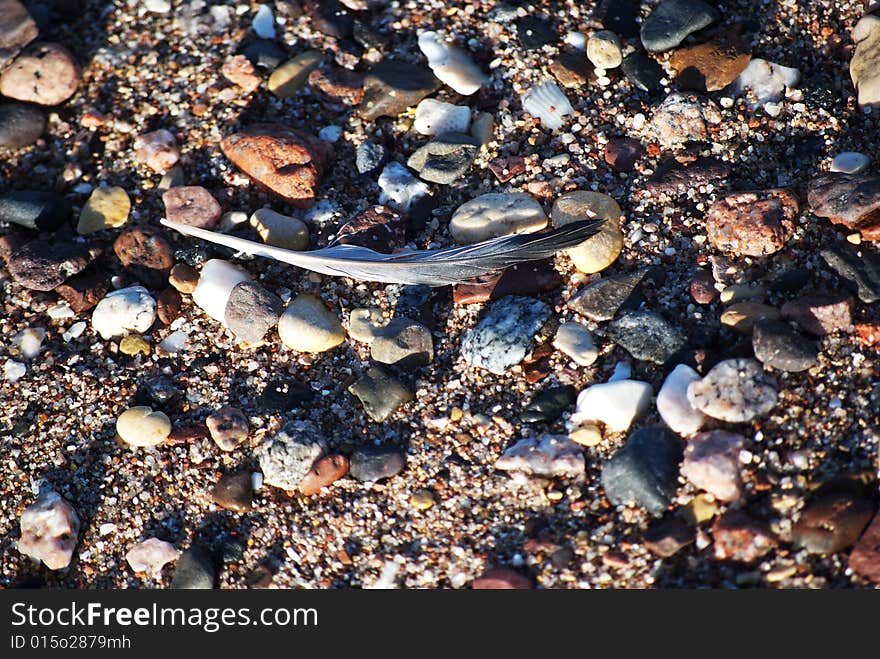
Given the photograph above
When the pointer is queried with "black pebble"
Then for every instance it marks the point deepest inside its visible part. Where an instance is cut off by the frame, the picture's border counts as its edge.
(284, 395)
(43, 211)
(548, 405)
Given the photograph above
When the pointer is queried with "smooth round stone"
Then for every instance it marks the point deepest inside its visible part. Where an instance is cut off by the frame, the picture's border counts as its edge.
(496, 214)
(324, 472)
(307, 325)
(45, 74)
(647, 335)
(216, 282)
(435, 117)
(673, 20)
(192, 205)
(125, 310)
(194, 571)
(735, 390)
(291, 76)
(848, 162)
(615, 404)
(184, 278)
(599, 251)
(365, 324)
(132, 345)
(673, 405)
(380, 393)
(228, 427)
(141, 426)
(43, 211)
(404, 343)
(373, 463)
(742, 316)
(422, 499)
(776, 344)
(20, 125)
(106, 208)
(280, 230)
(157, 150)
(575, 341)
(251, 311)
(711, 463)
(451, 65)
(548, 405)
(604, 50)
(588, 434)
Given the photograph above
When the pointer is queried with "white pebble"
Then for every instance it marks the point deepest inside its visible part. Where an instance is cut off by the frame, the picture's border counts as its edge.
(452, 66)
(60, 311)
(106, 529)
(174, 342)
(14, 370)
(547, 103)
(126, 310)
(616, 404)
(435, 117)
(29, 341)
(217, 279)
(399, 188)
(576, 39)
(850, 162)
(768, 81)
(74, 331)
(264, 23)
(673, 404)
(157, 6)
(576, 342)
(622, 371)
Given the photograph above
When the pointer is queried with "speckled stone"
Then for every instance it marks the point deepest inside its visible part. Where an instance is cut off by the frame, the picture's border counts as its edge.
(251, 311)
(49, 530)
(502, 338)
(287, 456)
(374, 463)
(549, 455)
(735, 390)
(228, 427)
(647, 335)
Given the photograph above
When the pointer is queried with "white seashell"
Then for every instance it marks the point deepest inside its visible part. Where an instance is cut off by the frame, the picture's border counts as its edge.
(547, 102)
(452, 66)
(435, 117)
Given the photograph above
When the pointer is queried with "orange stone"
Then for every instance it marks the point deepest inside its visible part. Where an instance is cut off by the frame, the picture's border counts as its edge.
(325, 471)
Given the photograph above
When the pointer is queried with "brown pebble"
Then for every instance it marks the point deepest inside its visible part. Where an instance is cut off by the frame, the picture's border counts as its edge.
(502, 578)
(83, 291)
(239, 71)
(184, 278)
(45, 73)
(622, 153)
(324, 472)
(865, 557)
(234, 492)
(146, 253)
(820, 314)
(168, 305)
(741, 538)
(702, 288)
(752, 223)
(192, 205)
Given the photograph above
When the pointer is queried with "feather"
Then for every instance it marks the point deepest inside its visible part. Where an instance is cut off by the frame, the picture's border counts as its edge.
(439, 267)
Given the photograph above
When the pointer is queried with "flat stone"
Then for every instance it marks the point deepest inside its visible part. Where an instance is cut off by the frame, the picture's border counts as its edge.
(335, 85)
(668, 536)
(711, 66)
(374, 463)
(548, 405)
(831, 522)
(850, 162)
(752, 223)
(604, 50)
(324, 472)
(194, 571)
(228, 427)
(643, 71)
(496, 214)
(524, 279)
(602, 299)
(124, 310)
(106, 208)
(777, 345)
(378, 228)
(550, 456)
(684, 118)
(41, 265)
(735, 390)
(647, 336)
(20, 125)
(435, 117)
(711, 463)
(292, 76)
(83, 291)
(286, 457)
(502, 338)
(572, 70)
(287, 162)
(251, 311)
(739, 537)
(150, 556)
(403, 343)
(864, 560)
(673, 20)
(673, 178)
(393, 86)
(49, 527)
(644, 471)
(820, 314)
(615, 404)
(157, 150)
(192, 205)
(380, 393)
(865, 63)
(239, 71)
(445, 158)
(575, 341)
(859, 267)
(673, 405)
(141, 426)
(601, 250)
(742, 316)
(32, 209)
(851, 200)
(307, 325)
(234, 492)
(369, 157)
(17, 30)
(45, 74)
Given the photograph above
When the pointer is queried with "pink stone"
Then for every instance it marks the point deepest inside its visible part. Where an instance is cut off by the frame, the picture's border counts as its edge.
(150, 556)
(49, 529)
(157, 150)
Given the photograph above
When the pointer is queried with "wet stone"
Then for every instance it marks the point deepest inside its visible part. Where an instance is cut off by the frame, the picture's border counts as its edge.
(777, 345)
(374, 463)
(549, 405)
(234, 492)
(285, 395)
(502, 338)
(380, 393)
(831, 522)
(647, 336)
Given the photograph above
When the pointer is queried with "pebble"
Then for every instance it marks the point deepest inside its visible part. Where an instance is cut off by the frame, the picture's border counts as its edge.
(767, 81)
(251, 311)
(586, 435)
(739, 537)
(820, 314)
(451, 65)
(548, 104)
(496, 214)
(668, 536)
(615, 404)
(604, 50)
(13, 371)
(399, 189)
(851, 200)
(392, 86)
(535, 32)
(752, 223)
(684, 118)
(217, 281)
(228, 427)
(831, 522)
(194, 571)
(157, 150)
(369, 157)
(290, 77)
(858, 267)
(375, 463)
(403, 343)
(168, 307)
(777, 345)
(524, 279)
(83, 291)
(239, 71)
(422, 499)
(42, 265)
(435, 117)
(20, 125)
(623, 153)
(551, 456)
(673, 20)
(502, 578)
(45, 74)
(17, 29)
(235, 492)
(106, 208)
(702, 288)
(866, 57)
(575, 341)
(380, 393)
(572, 70)
(141, 426)
(644, 471)
(847, 162)
(365, 324)
(335, 86)
(172, 179)
(323, 473)
(145, 254)
(711, 463)
(742, 316)
(192, 205)
(157, 6)
(285, 395)
(49, 530)
(674, 179)
(132, 345)
(864, 560)
(29, 341)
(378, 228)
(307, 325)
(599, 251)
(264, 53)
(445, 158)
(501, 339)
(647, 336)
(548, 405)
(643, 72)
(673, 405)
(264, 23)
(602, 299)
(150, 556)
(287, 456)
(330, 17)
(124, 310)
(258, 149)
(280, 230)
(711, 66)
(43, 211)
(735, 390)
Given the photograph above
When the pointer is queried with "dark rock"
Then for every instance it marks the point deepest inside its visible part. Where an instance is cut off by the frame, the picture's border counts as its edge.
(393, 86)
(83, 291)
(831, 522)
(643, 71)
(285, 395)
(367, 37)
(602, 299)
(369, 157)
(620, 16)
(43, 211)
(622, 153)
(647, 335)
(702, 288)
(668, 536)
(739, 537)
(20, 125)
(865, 557)
(820, 314)
(851, 200)
(535, 32)
(373, 463)
(234, 492)
(159, 391)
(378, 228)
(572, 70)
(330, 17)
(644, 471)
(791, 281)
(251, 311)
(194, 571)
(380, 393)
(264, 53)
(523, 279)
(776, 344)
(549, 405)
(168, 305)
(445, 158)
(674, 178)
(673, 20)
(858, 266)
(146, 254)
(192, 256)
(42, 266)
